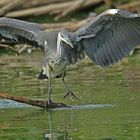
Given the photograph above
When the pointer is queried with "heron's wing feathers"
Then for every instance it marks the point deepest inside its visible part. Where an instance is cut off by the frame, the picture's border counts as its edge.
(110, 36)
(20, 31)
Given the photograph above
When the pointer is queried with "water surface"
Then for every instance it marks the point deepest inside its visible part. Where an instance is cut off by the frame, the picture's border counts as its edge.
(107, 109)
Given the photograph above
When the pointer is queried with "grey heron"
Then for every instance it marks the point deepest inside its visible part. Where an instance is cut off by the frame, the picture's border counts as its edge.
(105, 40)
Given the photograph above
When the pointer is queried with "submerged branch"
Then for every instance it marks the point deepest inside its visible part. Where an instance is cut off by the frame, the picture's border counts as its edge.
(34, 102)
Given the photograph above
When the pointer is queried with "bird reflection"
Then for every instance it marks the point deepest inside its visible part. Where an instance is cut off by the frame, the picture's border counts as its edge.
(53, 135)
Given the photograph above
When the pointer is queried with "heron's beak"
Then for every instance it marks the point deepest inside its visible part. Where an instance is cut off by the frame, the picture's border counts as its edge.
(68, 42)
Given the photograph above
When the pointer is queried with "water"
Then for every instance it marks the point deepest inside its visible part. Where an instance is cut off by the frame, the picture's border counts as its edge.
(107, 109)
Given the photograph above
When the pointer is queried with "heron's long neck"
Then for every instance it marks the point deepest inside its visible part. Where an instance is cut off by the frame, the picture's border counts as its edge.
(59, 39)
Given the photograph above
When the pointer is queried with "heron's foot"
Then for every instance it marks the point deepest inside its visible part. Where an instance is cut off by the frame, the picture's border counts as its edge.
(71, 95)
(50, 101)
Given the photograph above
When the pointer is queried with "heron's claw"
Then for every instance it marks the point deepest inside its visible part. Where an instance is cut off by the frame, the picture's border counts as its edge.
(50, 101)
(71, 95)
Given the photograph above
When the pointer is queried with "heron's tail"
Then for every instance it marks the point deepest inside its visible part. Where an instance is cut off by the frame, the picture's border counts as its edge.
(42, 76)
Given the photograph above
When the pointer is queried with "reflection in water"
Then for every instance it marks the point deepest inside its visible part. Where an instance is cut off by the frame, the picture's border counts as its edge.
(5, 103)
(65, 127)
(56, 135)
(52, 135)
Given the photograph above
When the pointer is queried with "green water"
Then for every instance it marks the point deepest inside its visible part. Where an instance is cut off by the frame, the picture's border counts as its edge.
(107, 109)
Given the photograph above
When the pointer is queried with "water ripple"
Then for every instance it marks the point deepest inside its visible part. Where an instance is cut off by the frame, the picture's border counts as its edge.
(5, 103)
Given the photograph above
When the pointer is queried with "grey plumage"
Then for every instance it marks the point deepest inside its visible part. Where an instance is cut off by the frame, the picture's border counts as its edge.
(110, 37)
(20, 31)
(106, 39)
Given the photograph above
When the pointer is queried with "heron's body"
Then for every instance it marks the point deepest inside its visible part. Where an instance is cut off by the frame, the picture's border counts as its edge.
(106, 40)
(54, 62)
(56, 70)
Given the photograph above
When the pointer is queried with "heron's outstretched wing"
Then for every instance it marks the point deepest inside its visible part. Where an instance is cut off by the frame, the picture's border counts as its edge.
(20, 31)
(110, 36)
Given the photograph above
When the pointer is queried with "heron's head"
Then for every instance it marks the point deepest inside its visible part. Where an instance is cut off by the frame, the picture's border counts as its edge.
(63, 35)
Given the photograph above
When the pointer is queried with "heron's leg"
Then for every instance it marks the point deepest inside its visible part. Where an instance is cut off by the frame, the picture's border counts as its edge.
(70, 93)
(49, 88)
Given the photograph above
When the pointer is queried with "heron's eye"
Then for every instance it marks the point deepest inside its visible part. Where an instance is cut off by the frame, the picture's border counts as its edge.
(52, 61)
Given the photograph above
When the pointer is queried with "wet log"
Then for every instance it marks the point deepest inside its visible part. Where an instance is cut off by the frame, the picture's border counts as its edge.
(34, 102)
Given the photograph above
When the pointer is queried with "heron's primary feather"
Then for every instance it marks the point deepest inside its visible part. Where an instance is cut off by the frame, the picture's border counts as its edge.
(110, 36)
